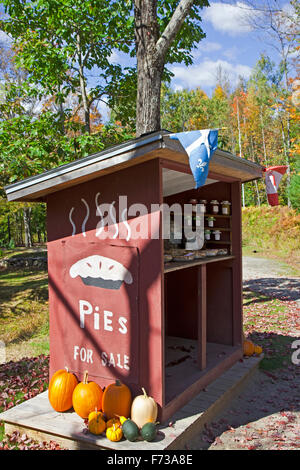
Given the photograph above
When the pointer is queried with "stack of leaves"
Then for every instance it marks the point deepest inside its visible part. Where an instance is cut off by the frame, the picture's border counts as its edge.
(22, 380)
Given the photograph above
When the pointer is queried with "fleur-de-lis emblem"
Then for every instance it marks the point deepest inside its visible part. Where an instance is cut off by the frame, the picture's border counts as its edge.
(201, 164)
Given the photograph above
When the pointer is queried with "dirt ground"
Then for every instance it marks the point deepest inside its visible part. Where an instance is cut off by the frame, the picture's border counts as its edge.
(266, 415)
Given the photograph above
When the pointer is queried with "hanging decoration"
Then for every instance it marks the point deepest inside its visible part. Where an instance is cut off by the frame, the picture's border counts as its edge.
(273, 175)
(200, 146)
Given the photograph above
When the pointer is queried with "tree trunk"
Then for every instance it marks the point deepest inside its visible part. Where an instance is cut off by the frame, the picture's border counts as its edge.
(8, 229)
(84, 96)
(148, 97)
(240, 145)
(151, 52)
(263, 135)
(26, 219)
(149, 67)
(257, 192)
(287, 158)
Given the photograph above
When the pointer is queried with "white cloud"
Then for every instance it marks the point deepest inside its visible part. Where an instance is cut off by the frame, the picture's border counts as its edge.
(206, 46)
(204, 74)
(115, 57)
(231, 19)
(121, 58)
(231, 53)
(5, 40)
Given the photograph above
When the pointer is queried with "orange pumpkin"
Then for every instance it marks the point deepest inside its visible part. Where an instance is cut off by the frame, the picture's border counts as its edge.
(61, 387)
(248, 348)
(117, 400)
(257, 349)
(87, 397)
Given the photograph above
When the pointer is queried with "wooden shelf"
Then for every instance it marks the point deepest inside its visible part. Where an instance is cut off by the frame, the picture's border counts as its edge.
(177, 265)
(218, 216)
(224, 229)
(219, 242)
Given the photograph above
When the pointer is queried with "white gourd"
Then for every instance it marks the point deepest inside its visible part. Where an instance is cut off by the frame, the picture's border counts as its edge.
(143, 410)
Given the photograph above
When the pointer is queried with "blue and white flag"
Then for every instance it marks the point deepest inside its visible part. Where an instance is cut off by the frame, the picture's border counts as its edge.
(200, 146)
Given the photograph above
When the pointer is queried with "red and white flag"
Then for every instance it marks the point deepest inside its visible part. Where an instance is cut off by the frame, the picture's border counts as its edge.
(273, 177)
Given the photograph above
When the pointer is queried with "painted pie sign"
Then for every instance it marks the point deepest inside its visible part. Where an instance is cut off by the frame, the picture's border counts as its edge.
(101, 309)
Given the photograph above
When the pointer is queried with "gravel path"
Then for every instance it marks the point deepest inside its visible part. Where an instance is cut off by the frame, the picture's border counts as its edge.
(270, 277)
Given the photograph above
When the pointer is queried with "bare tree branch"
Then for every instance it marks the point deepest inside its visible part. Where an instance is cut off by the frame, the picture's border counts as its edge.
(174, 25)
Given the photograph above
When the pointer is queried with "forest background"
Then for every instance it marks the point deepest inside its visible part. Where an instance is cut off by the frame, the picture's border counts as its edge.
(50, 114)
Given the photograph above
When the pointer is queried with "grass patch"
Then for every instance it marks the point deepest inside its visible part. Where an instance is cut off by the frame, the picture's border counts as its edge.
(21, 252)
(272, 232)
(277, 353)
(23, 305)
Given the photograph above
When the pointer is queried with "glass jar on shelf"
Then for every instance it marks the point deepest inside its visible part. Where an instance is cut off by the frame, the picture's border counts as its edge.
(207, 234)
(225, 207)
(214, 206)
(217, 234)
(194, 203)
(210, 221)
(203, 203)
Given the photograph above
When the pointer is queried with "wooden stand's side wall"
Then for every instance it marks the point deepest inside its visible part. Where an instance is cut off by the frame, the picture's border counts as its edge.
(141, 184)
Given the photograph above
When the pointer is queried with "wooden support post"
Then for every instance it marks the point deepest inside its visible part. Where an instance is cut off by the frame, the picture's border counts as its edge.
(237, 278)
(201, 295)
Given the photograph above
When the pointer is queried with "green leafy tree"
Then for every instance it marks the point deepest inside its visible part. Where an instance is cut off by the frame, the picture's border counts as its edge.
(294, 188)
(60, 42)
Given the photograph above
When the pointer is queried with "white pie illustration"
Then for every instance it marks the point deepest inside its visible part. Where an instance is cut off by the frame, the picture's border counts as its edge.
(100, 271)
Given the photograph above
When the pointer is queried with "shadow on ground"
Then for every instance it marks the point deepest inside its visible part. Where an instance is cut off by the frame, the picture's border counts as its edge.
(280, 288)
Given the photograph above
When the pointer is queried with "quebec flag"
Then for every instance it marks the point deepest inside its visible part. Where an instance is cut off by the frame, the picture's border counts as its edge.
(200, 146)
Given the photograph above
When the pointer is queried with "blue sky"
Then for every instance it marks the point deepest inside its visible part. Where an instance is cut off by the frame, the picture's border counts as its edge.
(230, 43)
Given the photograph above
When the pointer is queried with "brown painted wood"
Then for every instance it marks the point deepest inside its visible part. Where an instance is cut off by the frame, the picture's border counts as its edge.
(177, 265)
(142, 308)
(237, 278)
(219, 303)
(185, 168)
(176, 166)
(202, 334)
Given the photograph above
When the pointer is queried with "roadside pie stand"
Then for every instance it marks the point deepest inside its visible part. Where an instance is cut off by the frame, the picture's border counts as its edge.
(117, 309)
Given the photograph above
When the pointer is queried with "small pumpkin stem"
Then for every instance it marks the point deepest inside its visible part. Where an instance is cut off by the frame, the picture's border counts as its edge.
(118, 382)
(85, 377)
(145, 393)
(67, 368)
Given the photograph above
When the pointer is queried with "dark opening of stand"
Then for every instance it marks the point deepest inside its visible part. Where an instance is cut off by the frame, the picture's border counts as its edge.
(198, 299)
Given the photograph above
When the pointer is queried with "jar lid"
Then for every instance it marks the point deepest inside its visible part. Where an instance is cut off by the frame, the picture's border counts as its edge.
(226, 202)
(193, 201)
(214, 202)
(203, 201)
(216, 231)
